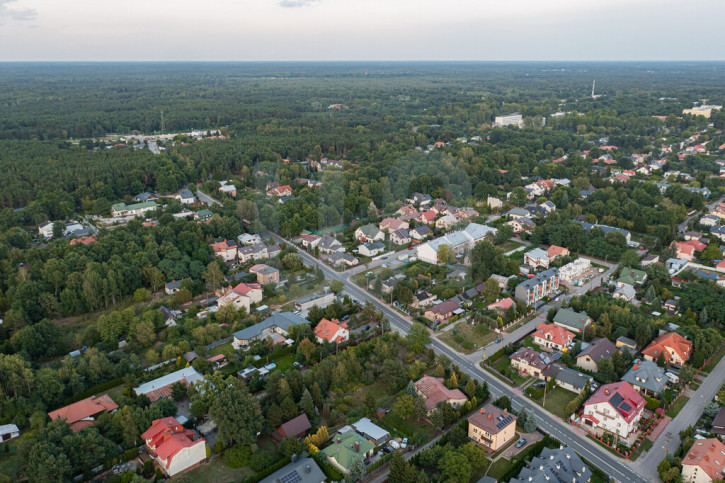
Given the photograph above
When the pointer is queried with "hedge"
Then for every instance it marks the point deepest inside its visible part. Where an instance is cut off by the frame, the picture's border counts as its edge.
(332, 473)
(383, 459)
(93, 390)
(260, 475)
(519, 461)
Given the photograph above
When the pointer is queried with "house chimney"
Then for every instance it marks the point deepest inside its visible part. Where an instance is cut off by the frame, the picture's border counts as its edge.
(483, 411)
(357, 446)
(308, 468)
(489, 415)
(505, 410)
(294, 457)
(339, 440)
(568, 456)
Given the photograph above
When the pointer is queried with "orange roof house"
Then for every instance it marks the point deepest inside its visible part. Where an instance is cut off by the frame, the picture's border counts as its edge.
(80, 414)
(332, 331)
(556, 251)
(173, 446)
(435, 392)
(675, 348)
(705, 456)
(552, 336)
(86, 240)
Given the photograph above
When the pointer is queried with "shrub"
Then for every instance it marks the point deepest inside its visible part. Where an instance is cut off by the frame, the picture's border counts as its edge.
(218, 447)
(237, 456)
(261, 460)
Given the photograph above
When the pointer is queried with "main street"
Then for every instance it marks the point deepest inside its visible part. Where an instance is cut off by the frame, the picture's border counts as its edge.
(549, 423)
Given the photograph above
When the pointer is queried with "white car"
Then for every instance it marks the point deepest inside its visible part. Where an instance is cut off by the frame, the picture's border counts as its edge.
(404, 444)
(393, 444)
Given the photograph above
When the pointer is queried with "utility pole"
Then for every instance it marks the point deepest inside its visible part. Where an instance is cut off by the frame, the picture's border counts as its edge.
(667, 444)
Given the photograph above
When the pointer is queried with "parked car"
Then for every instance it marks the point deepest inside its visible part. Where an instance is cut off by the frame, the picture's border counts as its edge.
(498, 339)
(404, 444)
(521, 442)
(387, 449)
(345, 318)
(394, 444)
(367, 327)
(540, 385)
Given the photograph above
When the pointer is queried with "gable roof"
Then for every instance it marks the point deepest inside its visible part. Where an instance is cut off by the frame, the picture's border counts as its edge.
(436, 392)
(554, 333)
(161, 387)
(560, 465)
(282, 320)
(599, 349)
(555, 250)
(327, 330)
(75, 413)
(647, 375)
(570, 318)
(669, 342)
(296, 426)
(538, 254)
(445, 308)
(503, 304)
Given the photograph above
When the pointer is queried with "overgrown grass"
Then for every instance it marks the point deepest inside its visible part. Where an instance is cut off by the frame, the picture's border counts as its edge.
(502, 364)
(477, 336)
(677, 406)
(215, 471)
(222, 349)
(556, 401)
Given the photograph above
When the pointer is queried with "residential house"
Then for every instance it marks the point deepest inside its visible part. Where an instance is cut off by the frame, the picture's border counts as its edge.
(537, 258)
(574, 271)
(516, 213)
(311, 241)
(122, 209)
(345, 448)
(420, 233)
(624, 343)
(371, 249)
(369, 233)
(445, 222)
(530, 362)
(249, 239)
(544, 284)
(321, 301)
(226, 250)
(674, 347)
(265, 274)
(145, 196)
(442, 312)
(494, 203)
(683, 250)
(400, 237)
(420, 199)
(718, 424)
(186, 197)
(555, 252)
(273, 326)
(460, 242)
(551, 336)
(407, 210)
(631, 276)
(597, 350)
(502, 305)
(258, 251)
(173, 447)
(646, 377)
(492, 427)
(294, 428)
(229, 297)
(161, 387)
(83, 413)
(571, 320)
(649, 260)
(608, 229)
(704, 462)
(280, 191)
(172, 287)
(300, 470)
(422, 299)
(427, 217)
(709, 221)
(371, 431)
(566, 378)
(332, 331)
(343, 259)
(203, 215)
(435, 392)
(330, 244)
(503, 282)
(229, 189)
(253, 291)
(615, 407)
(625, 292)
(558, 465)
(392, 224)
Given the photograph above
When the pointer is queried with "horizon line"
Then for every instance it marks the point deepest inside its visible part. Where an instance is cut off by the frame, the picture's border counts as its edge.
(288, 61)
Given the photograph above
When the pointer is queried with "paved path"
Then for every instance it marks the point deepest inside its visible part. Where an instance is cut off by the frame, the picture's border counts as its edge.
(549, 423)
(206, 198)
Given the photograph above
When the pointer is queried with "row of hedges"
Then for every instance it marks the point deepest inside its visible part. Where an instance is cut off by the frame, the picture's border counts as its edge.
(93, 390)
(383, 459)
(332, 473)
(260, 475)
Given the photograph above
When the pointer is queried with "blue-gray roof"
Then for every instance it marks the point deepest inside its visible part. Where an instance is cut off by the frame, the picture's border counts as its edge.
(539, 277)
(561, 465)
(648, 375)
(282, 320)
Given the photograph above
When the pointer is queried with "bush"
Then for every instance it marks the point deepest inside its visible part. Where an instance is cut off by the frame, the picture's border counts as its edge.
(652, 403)
(332, 473)
(237, 456)
(130, 454)
(268, 471)
(93, 390)
(261, 460)
(219, 447)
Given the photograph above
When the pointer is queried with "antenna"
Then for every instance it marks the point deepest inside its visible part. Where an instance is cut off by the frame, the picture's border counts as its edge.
(163, 124)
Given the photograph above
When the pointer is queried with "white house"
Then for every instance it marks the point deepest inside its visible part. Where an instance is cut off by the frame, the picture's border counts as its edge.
(174, 447)
(615, 407)
(575, 270)
(8, 432)
(371, 249)
(461, 242)
(537, 258)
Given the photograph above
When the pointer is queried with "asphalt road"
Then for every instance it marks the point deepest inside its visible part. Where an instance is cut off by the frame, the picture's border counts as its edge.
(567, 434)
(206, 198)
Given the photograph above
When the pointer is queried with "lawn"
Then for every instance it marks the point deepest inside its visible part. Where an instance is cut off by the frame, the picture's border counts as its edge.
(556, 401)
(419, 431)
(222, 349)
(284, 362)
(502, 363)
(510, 245)
(715, 359)
(645, 446)
(677, 407)
(498, 468)
(215, 471)
(465, 332)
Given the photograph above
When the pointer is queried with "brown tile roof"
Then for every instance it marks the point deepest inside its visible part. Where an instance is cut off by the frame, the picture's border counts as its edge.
(667, 342)
(295, 427)
(708, 454)
(492, 419)
(436, 392)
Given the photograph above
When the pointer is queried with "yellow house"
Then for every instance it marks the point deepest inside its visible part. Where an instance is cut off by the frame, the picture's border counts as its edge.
(492, 427)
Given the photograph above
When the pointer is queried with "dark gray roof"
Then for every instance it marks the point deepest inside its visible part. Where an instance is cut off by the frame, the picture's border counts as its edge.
(282, 320)
(647, 375)
(304, 470)
(568, 376)
(561, 465)
(599, 349)
(539, 277)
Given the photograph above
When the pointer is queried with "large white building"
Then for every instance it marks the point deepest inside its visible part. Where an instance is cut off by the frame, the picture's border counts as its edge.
(615, 407)
(575, 270)
(514, 119)
(460, 242)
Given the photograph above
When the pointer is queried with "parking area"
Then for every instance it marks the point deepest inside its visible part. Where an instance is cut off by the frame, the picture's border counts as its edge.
(530, 438)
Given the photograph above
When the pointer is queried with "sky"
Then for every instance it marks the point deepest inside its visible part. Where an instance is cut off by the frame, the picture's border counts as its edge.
(315, 30)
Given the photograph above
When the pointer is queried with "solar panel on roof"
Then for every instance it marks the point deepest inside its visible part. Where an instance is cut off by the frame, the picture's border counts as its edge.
(291, 477)
(625, 407)
(503, 421)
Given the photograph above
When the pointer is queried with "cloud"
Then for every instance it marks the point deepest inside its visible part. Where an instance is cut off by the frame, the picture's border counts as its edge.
(8, 12)
(292, 3)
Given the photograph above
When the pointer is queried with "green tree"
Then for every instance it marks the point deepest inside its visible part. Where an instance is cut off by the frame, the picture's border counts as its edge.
(531, 423)
(307, 404)
(356, 471)
(445, 254)
(236, 412)
(306, 348)
(455, 467)
(213, 275)
(418, 338)
(336, 286)
(58, 229)
(404, 406)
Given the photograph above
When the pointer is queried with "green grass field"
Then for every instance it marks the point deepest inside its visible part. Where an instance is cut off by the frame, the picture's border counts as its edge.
(222, 349)
(215, 471)
(498, 468)
(556, 401)
(470, 333)
(677, 407)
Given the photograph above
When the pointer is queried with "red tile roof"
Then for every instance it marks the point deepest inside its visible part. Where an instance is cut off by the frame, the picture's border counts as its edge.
(669, 342)
(436, 392)
(327, 330)
(503, 304)
(166, 437)
(708, 454)
(245, 288)
(622, 397)
(83, 409)
(555, 251)
(559, 335)
(86, 240)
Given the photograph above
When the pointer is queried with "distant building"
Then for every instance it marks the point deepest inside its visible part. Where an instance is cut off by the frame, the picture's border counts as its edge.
(544, 284)
(597, 350)
(646, 377)
(321, 301)
(122, 209)
(571, 320)
(552, 336)
(514, 119)
(302, 470)
(82, 414)
(560, 465)
(161, 387)
(273, 326)
(345, 448)
(434, 392)
(674, 347)
(332, 331)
